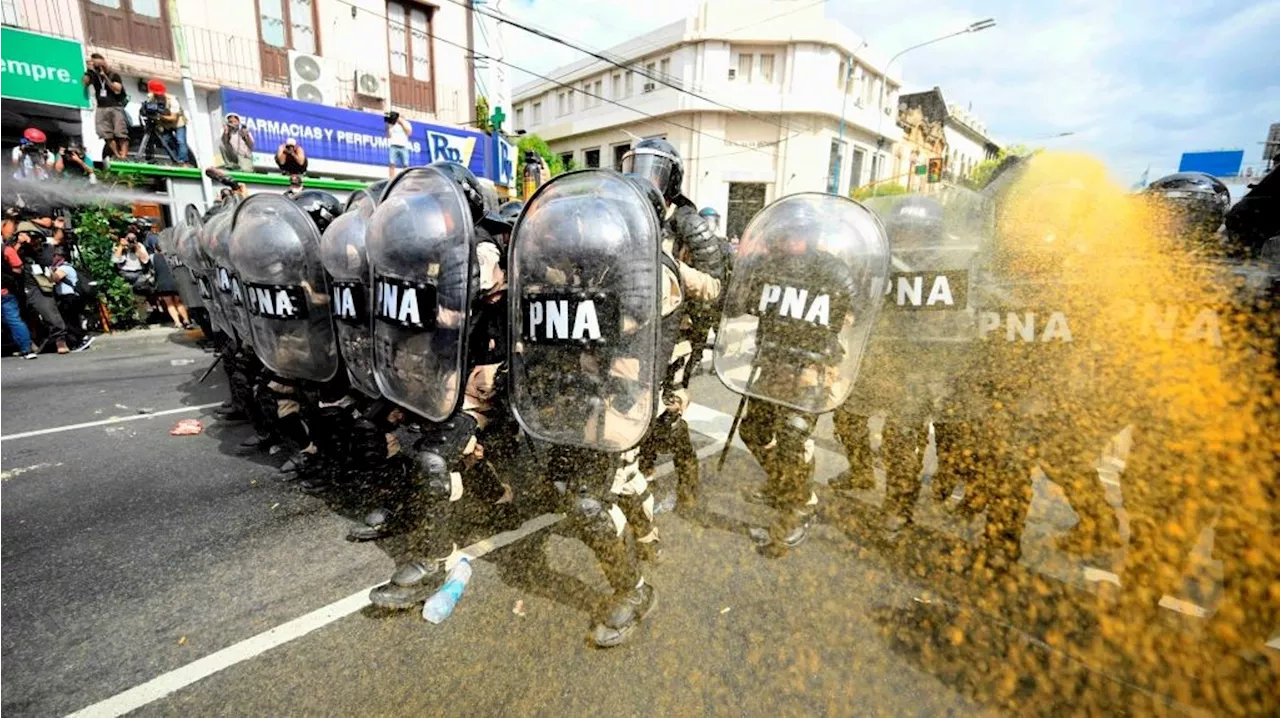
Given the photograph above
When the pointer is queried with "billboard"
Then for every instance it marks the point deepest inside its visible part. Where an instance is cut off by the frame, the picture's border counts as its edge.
(1219, 163)
(42, 69)
(342, 135)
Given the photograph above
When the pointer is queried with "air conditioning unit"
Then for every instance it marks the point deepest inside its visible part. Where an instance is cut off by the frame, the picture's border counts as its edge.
(370, 85)
(648, 86)
(733, 73)
(311, 80)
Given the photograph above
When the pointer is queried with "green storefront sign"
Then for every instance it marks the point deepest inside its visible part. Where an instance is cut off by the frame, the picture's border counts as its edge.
(40, 68)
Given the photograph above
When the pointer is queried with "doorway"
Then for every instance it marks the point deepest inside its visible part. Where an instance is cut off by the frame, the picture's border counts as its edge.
(745, 200)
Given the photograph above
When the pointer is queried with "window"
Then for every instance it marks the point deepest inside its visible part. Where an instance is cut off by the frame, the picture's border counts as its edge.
(650, 70)
(570, 93)
(593, 157)
(620, 151)
(140, 26)
(284, 25)
(843, 76)
(537, 113)
(409, 35)
(560, 105)
(855, 169)
(833, 167)
(745, 200)
(745, 60)
(519, 118)
(566, 159)
(587, 99)
(616, 89)
(598, 90)
(630, 83)
(766, 68)
(664, 68)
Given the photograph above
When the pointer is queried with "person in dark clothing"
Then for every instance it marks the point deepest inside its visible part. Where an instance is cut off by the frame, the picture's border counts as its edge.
(291, 158)
(166, 291)
(37, 285)
(110, 98)
(66, 294)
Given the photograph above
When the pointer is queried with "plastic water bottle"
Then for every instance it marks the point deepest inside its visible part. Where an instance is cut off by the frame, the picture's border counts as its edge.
(441, 604)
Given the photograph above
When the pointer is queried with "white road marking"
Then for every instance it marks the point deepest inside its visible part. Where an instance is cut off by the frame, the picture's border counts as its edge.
(177, 679)
(104, 422)
(6, 475)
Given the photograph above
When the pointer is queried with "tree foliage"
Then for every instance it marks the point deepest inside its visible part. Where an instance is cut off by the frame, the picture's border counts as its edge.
(883, 190)
(982, 172)
(96, 230)
(482, 115)
(535, 143)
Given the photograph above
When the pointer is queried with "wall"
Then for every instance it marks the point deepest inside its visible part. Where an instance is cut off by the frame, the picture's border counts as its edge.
(967, 148)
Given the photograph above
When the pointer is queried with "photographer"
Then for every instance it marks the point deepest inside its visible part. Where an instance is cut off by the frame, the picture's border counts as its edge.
(66, 294)
(71, 162)
(133, 262)
(31, 246)
(171, 122)
(398, 131)
(109, 118)
(237, 144)
(30, 158)
(291, 158)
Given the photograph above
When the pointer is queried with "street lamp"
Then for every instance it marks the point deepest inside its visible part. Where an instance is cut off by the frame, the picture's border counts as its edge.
(978, 26)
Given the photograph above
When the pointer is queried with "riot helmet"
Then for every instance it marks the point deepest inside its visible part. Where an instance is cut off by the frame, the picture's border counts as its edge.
(470, 185)
(1198, 200)
(321, 206)
(657, 161)
(915, 221)
(651, 193)
(509, 211)
(711, 217)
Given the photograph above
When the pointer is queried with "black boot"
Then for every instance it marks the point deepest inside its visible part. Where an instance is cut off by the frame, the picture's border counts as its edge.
(379, 523)
(624, 612)
(257, 441)
(410, 585)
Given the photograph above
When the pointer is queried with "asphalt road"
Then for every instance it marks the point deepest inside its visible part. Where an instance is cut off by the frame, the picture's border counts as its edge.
(169, 574)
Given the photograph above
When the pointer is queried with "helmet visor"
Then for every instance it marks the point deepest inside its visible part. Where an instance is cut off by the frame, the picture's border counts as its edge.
(657, 167)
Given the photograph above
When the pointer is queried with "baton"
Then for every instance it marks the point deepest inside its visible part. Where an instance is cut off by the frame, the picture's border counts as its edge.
(733, 429)
(209, 371)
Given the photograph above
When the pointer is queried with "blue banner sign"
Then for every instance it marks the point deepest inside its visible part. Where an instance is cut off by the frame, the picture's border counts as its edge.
(1219, 163)
(342, 135)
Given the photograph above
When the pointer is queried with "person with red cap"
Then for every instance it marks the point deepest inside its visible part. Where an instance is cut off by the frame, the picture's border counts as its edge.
(31, 159)
(172, 122)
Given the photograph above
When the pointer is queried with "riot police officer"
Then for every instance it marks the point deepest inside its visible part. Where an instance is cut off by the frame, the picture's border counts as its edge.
(693, 274)
(806, 290)
(438, 291)
(588, 359)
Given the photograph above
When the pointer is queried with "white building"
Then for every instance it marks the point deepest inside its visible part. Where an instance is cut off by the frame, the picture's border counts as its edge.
(373, 55)
(762, 90)
(967, 141)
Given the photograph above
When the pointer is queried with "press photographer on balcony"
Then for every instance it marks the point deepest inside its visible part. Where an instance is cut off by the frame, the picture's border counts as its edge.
(170, 121)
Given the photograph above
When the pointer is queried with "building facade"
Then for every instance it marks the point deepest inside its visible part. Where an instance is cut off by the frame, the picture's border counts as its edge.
(366, 55)
(967, 143)
(762, 99)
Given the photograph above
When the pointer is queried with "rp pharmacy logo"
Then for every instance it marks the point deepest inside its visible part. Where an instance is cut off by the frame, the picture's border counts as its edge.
(450, 148)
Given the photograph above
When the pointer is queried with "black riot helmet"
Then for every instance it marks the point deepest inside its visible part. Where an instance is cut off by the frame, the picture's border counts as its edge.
(1199, 200)
(657, 161)
(476, 196)
(321, 206)
(915, 222)
(711, 217)
(509, 211)
(651, 192)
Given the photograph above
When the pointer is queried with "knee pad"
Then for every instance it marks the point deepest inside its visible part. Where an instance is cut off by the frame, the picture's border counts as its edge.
(598, 520)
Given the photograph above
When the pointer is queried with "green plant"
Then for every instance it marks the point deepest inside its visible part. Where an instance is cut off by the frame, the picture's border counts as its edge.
(96, 230)
(884, 190)
(539, 145)
(982, 172)
(482, 114)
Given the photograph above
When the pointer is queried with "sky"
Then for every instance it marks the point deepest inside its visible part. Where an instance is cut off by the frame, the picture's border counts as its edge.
(1137, 82)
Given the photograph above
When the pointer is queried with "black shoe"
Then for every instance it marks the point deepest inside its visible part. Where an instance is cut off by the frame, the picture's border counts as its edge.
(410, 585)
(625, 611)
(257, 441)
(300, 464)
(377, 525)
(774, 544)
(230, 414)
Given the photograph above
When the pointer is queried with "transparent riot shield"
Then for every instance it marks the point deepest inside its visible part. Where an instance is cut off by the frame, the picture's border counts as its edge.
(584, 282)
(174, 253)
(922, 347)
(807, 287)
(342, 251)
(275, 249)
(420, 267)
(214, 245)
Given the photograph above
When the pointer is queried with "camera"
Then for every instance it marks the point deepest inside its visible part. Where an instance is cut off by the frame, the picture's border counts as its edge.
(151, 110)
(391, 117)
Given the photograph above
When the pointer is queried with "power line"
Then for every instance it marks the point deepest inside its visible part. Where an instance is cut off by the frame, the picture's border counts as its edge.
(655, 76)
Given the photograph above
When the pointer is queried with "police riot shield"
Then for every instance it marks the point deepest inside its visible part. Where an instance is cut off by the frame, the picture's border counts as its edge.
(807, 287)
(172, 246)
(420, 267)
(920, 351)
(214, 243)
(342, 251)
(585, 312)
(275, 249)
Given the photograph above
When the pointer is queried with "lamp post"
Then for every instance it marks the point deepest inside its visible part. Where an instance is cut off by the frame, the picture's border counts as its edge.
(833, 183)
(978, 26)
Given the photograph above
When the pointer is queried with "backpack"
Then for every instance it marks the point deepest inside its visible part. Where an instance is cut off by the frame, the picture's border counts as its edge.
(85, 286)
